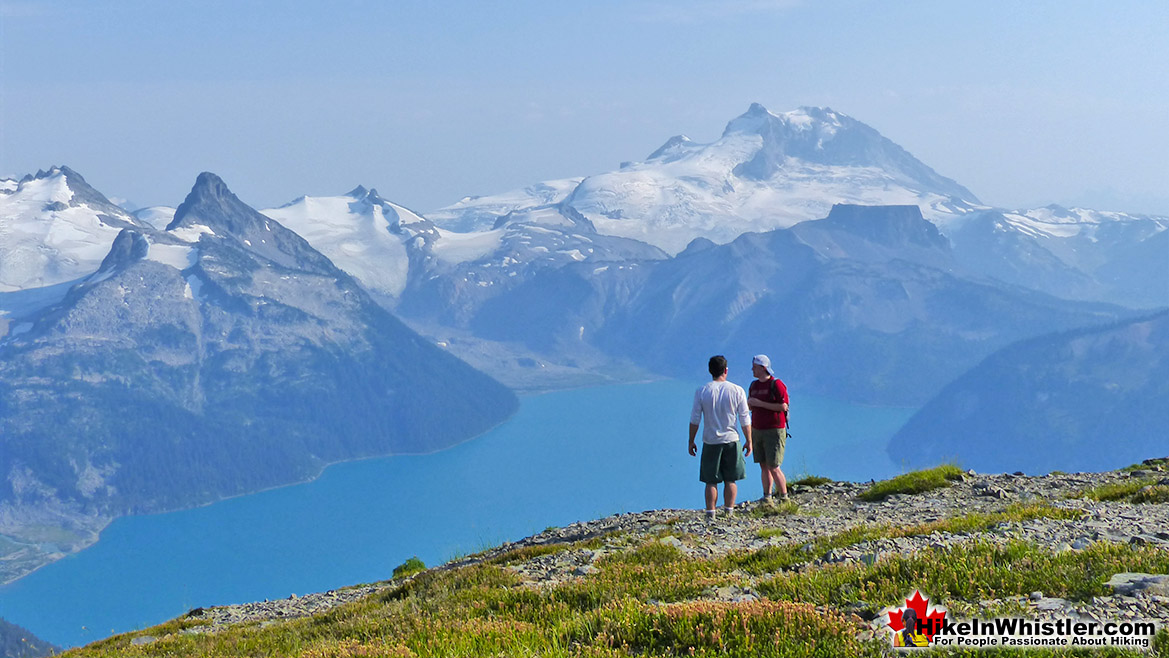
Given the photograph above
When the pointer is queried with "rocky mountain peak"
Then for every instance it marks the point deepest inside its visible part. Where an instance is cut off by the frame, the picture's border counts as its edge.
(890, 226)
(82, 192)
(211, 204)
(130, 246)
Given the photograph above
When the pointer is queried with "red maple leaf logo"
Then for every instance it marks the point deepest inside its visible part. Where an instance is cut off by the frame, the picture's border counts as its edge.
(925, 614)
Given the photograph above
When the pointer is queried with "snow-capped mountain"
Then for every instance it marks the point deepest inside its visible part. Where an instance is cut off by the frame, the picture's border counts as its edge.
(54, 228)
(477, 213)
(219, 356)
(461, 271)
(1074, 253)
(362, 233)
(772, 171)
(767, 171)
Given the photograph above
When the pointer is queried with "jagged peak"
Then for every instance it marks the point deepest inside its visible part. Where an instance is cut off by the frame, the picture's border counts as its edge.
(81, 191)
(53, 172)
(130, 246)
(358, 192)
(210, 185)
(374, 198)
(212, 202)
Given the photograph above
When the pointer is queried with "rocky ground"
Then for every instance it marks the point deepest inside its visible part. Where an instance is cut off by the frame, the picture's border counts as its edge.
(826, 510)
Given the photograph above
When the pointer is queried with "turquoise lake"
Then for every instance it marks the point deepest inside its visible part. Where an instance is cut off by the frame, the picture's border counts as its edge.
(564, 457)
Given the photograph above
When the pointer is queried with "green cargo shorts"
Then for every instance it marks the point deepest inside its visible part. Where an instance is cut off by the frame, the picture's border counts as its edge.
(721, 462)
(767, 446)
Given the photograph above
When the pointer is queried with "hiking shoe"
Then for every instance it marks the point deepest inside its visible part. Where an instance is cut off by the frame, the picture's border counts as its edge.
(767, 501)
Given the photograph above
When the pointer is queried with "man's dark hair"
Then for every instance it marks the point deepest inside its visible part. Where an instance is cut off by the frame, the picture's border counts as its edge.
(717, 365)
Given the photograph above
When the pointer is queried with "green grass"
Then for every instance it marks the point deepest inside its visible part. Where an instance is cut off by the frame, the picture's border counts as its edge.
(778, 558)
(647, 602)
(639, 603)
(1144, 490)
(913, 483)
(1157, 493)
(525, 553)
(1116, 491)
(409, 567)
(768, 533)
(1152, 465)
(981, 521)
(810, 481)
(970, 572)
(785, 508)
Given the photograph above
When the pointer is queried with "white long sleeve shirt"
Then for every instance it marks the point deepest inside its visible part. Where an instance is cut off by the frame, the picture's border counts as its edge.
(720, 404)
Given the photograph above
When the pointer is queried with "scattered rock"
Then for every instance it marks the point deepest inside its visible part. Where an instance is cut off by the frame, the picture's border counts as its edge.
(1132, 584)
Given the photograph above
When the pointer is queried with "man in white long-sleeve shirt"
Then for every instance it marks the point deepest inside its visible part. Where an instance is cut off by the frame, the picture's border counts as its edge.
(717, 405)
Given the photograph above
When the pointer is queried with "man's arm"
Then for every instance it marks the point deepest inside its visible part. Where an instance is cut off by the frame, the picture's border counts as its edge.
(695, 418)
(770, 406)
(744, 413)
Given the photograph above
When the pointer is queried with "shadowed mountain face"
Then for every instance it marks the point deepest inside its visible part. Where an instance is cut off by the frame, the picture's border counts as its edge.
(860, 305)
(1079, 401)
(18, 642)
(219, 357)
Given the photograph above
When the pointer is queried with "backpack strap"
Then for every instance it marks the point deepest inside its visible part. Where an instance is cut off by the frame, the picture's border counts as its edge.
(775, 398)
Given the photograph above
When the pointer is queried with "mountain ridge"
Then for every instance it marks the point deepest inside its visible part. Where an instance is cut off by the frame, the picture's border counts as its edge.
(221, 357)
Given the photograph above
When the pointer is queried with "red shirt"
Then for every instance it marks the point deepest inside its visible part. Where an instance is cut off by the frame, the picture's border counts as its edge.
(765, 419)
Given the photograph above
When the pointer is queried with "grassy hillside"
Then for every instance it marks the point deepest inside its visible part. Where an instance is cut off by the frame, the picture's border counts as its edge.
(814, 577)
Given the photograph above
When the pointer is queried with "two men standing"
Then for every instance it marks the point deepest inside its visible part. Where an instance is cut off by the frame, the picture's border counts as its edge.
(717, 405)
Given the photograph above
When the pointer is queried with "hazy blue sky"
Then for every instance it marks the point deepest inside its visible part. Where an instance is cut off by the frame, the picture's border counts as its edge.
(1024, 103)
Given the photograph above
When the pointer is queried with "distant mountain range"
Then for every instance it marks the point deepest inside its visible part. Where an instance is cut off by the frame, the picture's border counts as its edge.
(219, 356)
(146, 357)
(863, 305)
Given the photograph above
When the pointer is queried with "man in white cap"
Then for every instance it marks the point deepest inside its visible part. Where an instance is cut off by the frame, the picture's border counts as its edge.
(717, 406)
(768, 400)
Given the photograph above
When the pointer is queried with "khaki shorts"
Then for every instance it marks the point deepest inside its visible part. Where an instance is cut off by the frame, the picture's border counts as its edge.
(721, 462)
(768, 445)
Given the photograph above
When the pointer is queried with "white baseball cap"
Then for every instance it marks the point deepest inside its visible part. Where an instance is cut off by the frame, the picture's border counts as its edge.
(762, 360)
